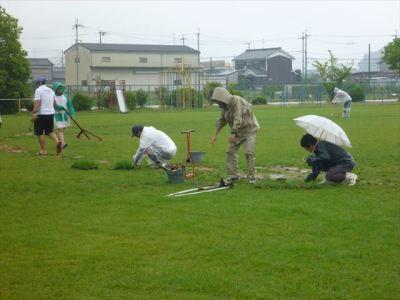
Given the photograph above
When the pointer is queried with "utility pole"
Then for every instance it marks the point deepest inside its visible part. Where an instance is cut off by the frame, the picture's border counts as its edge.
(369, 62)
(263, 43)
(183, 39)
(248, 45)
(198, 61)
(62, 58)
(76, 26)
(305, 54)
(302, 55)
(101, 33)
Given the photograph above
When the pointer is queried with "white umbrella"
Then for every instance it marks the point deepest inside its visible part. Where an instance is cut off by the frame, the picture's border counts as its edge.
(324, 129)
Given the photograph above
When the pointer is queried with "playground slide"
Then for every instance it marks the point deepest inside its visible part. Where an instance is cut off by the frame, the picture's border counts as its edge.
(121, 101)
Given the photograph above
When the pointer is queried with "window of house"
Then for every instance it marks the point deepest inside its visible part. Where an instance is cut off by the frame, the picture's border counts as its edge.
(105, 59)
(177, 82)
(84, 82)
(178, 60)
(143, 60)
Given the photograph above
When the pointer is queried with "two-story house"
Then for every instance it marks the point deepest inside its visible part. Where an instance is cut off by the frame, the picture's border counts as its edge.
(263, 66)
(131, 64)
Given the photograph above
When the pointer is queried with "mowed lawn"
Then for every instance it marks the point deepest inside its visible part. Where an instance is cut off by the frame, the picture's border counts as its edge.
(113, 234)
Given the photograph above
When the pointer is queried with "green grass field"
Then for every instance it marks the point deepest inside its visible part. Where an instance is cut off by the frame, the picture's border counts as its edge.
(113, 234)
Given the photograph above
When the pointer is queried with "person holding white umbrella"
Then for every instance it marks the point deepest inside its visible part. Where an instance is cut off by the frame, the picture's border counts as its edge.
(328, 156)
(331, 158)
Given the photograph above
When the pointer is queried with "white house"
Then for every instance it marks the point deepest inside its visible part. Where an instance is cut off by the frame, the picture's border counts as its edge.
(131, 64)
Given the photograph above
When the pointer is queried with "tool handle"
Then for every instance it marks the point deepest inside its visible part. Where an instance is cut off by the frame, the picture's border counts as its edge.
(186, 131)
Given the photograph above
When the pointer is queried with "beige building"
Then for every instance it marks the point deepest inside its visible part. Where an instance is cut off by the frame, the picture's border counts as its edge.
(41, 67)
(134, 64)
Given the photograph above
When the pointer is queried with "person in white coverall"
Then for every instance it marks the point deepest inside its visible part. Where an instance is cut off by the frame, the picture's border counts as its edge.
(343, 97)
(154, 143)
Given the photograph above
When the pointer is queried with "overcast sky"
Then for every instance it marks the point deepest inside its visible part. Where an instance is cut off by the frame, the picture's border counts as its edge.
(345, 27)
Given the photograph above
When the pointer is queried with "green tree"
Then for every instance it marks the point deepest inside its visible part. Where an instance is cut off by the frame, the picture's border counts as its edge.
(331, 73)
(391, 55)
(141, 97)
(14, 67)
(162, 94)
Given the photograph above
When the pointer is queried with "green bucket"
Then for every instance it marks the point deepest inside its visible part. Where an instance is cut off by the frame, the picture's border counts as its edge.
(176, 176)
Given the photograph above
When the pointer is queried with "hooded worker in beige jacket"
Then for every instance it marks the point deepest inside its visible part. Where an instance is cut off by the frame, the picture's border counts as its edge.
(238, 113)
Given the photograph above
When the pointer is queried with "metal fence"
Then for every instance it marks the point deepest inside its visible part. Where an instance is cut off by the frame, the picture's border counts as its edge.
(197, 96)
(282, 93)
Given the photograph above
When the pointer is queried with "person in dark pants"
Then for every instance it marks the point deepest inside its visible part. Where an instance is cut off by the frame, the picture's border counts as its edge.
(328, 157)
(43, 116)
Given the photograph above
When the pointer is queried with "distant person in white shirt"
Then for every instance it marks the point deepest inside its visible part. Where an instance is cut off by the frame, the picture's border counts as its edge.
(43, 116)
(154, 143)
(343, 97)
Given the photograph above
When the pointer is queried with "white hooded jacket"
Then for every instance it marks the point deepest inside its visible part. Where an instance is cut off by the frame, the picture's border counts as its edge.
(340, 96)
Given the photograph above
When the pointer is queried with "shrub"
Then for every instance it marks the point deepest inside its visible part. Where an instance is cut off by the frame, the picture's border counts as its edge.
(162, 95)
(259, 100)
(8, 107)
(130, 100)
(357, 94)
(236, 93)
(28, 104)
(104, 100)
(209, 89)
(141, 97)
(186, 95)
(82, 101)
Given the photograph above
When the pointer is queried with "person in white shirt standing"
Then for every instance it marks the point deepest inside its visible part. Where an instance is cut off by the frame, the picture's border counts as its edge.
(154, 143)
(343, 97)
(43, 116)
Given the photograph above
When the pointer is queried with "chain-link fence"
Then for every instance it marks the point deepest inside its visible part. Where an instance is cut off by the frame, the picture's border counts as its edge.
(197, 96)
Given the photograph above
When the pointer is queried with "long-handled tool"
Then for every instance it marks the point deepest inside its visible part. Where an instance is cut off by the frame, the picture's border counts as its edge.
(83, 131)
(206, 189)
(187, 154)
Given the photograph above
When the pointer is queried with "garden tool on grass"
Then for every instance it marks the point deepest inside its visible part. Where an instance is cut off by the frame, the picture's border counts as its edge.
(206, 189)
(83, 131)
(187, 154)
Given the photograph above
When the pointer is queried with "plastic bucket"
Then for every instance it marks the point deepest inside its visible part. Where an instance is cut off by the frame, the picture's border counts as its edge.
(196, 156)
(176, 176)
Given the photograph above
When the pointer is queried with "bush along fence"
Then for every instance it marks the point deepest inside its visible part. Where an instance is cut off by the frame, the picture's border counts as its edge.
(178, 97)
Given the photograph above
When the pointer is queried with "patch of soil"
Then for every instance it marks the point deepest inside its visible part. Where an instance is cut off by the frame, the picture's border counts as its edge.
(11, 149)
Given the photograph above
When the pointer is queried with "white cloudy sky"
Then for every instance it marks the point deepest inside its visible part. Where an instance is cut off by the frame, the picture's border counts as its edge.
(345, 27)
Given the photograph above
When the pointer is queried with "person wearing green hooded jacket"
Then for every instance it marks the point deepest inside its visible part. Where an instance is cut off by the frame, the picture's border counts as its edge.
(61, 118)
(238, 114)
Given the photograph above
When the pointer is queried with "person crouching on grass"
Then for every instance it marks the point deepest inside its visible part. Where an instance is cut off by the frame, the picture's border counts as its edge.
(157, 145)
(43, 116)
(334, 160)
(61, 118)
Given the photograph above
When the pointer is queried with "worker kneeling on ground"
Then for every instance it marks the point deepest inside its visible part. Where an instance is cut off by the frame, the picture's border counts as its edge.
(334, 160)
(154, 143)
(238, 113)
